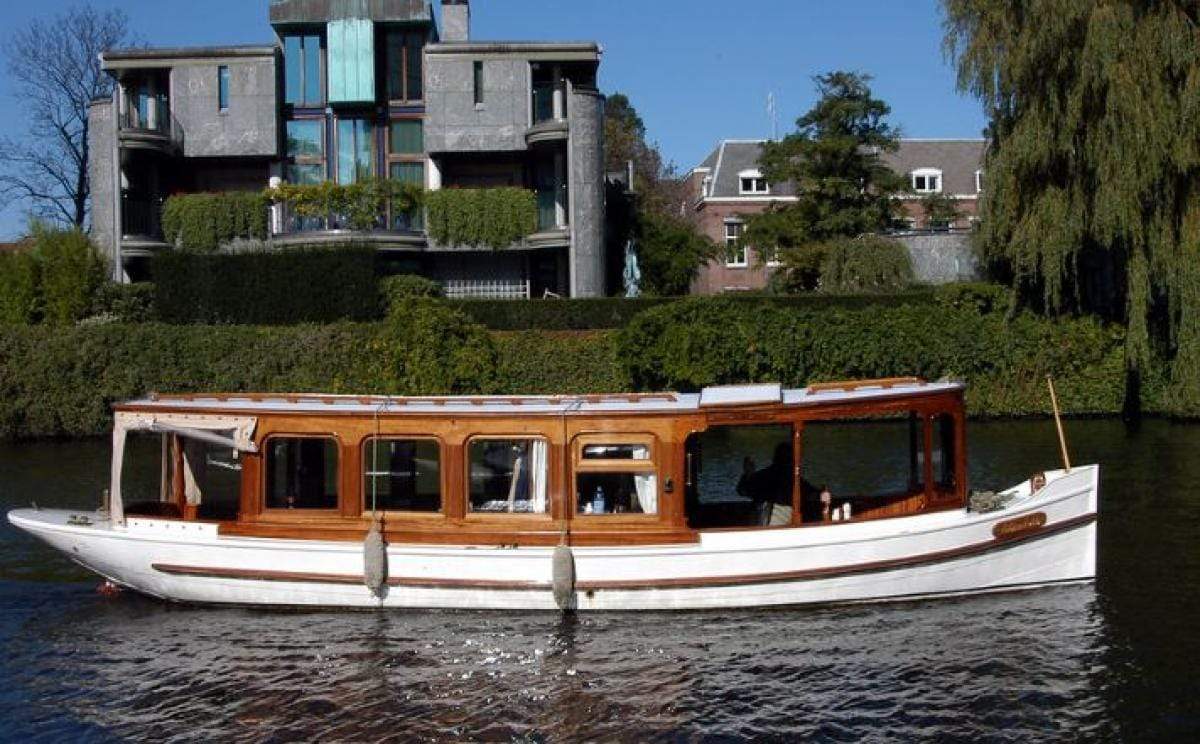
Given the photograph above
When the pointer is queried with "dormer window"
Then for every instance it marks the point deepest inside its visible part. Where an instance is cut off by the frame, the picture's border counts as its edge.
(978, 182)
(927, 181)
(752, 183)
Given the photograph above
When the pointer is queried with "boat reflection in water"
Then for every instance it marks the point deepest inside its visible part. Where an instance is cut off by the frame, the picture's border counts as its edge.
(728, 498)
(1014, 663)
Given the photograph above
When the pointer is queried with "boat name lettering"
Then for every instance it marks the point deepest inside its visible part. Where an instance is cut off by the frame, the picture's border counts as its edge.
(1019, 526)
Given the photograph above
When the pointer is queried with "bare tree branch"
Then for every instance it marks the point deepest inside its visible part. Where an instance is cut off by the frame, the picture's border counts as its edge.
(56, 65)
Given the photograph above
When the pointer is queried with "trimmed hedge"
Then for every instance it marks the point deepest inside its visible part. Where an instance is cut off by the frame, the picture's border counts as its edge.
(202, 223)
(61, 381)
(303, 285)
(617, 312)
(690, 345)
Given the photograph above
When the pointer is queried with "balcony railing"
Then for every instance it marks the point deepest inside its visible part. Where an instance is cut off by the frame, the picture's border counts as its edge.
(290, 223)
(152, 117)
(141, 218)
(547, 204)
(543, 102)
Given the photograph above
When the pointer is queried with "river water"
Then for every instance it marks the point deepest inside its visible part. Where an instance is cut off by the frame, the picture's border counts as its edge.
(1114, 661)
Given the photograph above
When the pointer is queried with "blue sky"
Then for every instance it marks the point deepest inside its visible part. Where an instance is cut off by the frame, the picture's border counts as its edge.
(697, 70)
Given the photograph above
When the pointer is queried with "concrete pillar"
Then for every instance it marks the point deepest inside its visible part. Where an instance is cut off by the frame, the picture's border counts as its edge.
(586, 166)
(433, 175)
(561, 190)
(101, 162)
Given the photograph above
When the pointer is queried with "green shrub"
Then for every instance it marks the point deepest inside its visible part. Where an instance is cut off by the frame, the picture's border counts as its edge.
(395, 291)
(19, 291)
(202, 223)
(980, 297)
(70, 271)
(436, 350)
(481, 218)
(124, 303)
(302, 285)
(867, 264)
(670, 254)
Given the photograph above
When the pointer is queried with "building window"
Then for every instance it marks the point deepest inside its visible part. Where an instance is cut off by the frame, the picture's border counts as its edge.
(927, 181)
(402, 475)
(617, 477)
(735, 252)
(407, 137)
(304, 65)
(406, 164)
(306, 151)
(302, 473)
(223, 88)
(507, 476)
(978, 182)
(355, 150)
(752, 183)
(771, 256)
(403, 58)
(478, 83)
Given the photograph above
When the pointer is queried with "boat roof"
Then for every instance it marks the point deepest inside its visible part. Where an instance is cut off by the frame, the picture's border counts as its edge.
(708, 399)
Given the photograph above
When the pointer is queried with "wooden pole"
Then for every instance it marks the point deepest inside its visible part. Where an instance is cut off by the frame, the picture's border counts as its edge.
(1062, 437)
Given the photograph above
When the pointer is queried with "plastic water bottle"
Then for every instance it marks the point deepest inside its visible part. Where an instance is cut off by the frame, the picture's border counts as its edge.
(598, 501)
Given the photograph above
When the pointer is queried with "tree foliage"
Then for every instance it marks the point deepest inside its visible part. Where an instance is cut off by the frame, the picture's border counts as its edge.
(1093, 197)
(671, 253)
(834, 159)
(55, 65)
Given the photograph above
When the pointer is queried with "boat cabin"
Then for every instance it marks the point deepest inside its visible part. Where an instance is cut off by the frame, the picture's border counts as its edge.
(516, 471)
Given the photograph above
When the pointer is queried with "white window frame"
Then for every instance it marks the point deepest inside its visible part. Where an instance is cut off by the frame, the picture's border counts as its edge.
(978, 182)
(926, 174)
(758, 184)
(731, 258)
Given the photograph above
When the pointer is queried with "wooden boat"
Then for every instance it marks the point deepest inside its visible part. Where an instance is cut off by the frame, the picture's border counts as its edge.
(731, 497)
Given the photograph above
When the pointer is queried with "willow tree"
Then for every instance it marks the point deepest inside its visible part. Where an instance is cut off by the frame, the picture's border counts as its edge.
(1092, 196)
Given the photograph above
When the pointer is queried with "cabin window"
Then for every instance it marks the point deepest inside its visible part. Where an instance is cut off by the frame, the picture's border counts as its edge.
(302, 473)
(402, 475)
(875, 466)
(507, 476)
(215, 482)
(740, 476)
(945, 454)
(616, 476)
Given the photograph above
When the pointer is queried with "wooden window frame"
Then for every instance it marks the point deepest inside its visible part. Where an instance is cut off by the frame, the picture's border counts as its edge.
(408, 32)
(264, 477)
(523, 517)
(579, 466)
(323, 64)
(443, 483)
(322, 161)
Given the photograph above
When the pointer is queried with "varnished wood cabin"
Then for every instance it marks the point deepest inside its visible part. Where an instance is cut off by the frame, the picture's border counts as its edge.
(599, 470)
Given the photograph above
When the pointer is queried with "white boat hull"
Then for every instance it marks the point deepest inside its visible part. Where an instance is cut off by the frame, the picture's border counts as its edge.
(1038, 539)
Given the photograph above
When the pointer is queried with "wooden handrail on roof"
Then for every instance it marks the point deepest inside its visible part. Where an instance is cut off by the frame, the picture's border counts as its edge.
(852, 385)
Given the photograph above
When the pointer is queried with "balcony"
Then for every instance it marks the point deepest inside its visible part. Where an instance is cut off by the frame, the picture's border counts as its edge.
(141, 225)
(388, 228)
(148, 124)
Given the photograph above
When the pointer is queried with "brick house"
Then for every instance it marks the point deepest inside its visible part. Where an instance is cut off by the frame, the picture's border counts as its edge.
(729, 186)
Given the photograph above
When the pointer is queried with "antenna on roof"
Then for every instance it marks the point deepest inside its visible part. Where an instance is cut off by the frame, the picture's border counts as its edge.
(773, 116)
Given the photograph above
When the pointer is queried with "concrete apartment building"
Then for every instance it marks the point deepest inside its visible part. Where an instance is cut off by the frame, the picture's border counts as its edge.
(729, 186)
(357, 89)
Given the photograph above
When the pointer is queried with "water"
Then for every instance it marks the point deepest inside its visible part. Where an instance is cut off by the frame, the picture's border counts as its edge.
(1115, 661)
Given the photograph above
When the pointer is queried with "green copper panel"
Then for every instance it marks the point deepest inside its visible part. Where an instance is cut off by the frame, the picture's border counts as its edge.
(351, 61)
